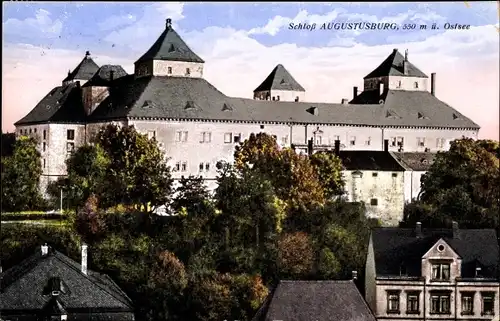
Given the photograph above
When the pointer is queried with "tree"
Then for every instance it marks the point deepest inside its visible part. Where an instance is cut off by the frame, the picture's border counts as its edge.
(461, 185)
(293, 177)
(89, 222)
(329, 169)
(8, 142)
(296, 255)
(21, 177)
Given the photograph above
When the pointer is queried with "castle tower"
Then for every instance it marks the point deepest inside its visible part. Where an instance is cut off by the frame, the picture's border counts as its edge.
(83, 72)
(280, 85)
(169, 56)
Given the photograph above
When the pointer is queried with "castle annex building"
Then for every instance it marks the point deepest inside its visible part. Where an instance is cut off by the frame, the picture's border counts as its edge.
(197, 125)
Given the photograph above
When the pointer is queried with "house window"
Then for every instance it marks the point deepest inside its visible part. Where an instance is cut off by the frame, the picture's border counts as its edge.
(206, 137)
(415, 84)
(237, 138)
(394, 174)
(440, 304)
(337, 137)
(421, 142)
(353, 141)
(441, 272)
(177, 166)
(374, 202)
(228, 138)
(70, 134)
(181, 136)
(188, 72)
(374, 174)
(488, 303)
(284, 140)
(440, 142)
(44, 134)
(169, 70)
(412, 304)
(368, 142)
(207, 167)
(44, 146)
(467, 303)
(151, 134)
(70, 147)
(392, 302)
(184, 166)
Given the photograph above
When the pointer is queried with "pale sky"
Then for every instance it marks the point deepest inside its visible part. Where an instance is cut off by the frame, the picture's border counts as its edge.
(241, 43)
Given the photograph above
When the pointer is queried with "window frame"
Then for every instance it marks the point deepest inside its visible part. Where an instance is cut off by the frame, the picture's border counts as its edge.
(70, 134)
(466, 295)
(490, 296)
(374, 202)
(412, 299)
(440, 298)
(440, 273)
(226, 136)
(393, 297)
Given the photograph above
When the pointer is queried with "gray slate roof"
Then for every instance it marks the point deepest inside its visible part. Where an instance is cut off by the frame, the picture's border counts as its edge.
(369, 160)
(85, 69)
(170, 46)
(23, 287)
(279, 79)
(316, 300)
(168, 97)
(393, 66)
(103, 76)
(63, 104)
(416, 161)
(395, 246)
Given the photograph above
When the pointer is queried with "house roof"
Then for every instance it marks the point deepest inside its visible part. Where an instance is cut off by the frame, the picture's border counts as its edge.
(394, 247)
(369, 160)
(279, 79)
(85, 69)
(24, 287)
(416, 161)
(62, 104)
(316, 300)
(393, 66)
(103, 76)
(170, 46)
(195, 98)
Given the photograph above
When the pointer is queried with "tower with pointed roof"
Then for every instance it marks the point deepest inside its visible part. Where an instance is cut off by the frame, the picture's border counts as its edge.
(396, 73)
(83, 72)
(169, 56)
(280, 86)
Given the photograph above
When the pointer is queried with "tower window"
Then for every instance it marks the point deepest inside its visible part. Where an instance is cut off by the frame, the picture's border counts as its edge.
(274, 98)
(374, 202)
(297, 99)
(277, 98)
(188, 71)
(169, 70)
(415, 84)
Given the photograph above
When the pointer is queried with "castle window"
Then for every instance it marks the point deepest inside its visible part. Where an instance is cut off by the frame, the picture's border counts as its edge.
(44, 163)
(400, 141)
(374, 174)
(177, 166)
(368, 141)
(44, 146)
(30, 128)
(70, 147)
(278, 98)
(393, 141)
(420, 141)
(184, 166)
(284, 140)
(70, 134)
(206, 137)
(394, 174)
(297, 99)
(237, 138)
(188, 72)
(169, 70)
(228, 138)
(207, 167)
(415, 85)
(374, 202)
(201, 167)
(44, 134)
(34, 130)
(399, 84)
(181, 136)
(151, 134)
(353, 141)
(440, 142)
(261, 126)
(274, 98)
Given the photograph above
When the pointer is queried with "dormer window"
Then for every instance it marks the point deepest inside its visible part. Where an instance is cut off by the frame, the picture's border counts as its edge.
(440, 272)
(169, 70)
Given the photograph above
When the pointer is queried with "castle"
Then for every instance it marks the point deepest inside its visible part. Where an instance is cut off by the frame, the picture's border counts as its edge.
(197, 125)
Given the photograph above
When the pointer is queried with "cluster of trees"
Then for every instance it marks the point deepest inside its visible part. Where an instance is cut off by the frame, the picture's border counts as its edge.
(275, 215)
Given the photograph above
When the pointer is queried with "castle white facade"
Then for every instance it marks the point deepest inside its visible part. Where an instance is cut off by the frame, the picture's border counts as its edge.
(197, 125)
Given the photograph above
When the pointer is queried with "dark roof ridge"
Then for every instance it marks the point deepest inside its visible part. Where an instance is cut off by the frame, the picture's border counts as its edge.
(316, 281)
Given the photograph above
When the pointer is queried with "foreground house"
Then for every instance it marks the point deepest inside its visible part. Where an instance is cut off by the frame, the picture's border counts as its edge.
(433, 274)
(197, 125)
(50, 286)
(315, 300)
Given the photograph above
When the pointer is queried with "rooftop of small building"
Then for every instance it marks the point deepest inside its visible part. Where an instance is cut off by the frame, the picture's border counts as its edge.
(369, 160)
(416, 161)
(335, 300)
(279, 79)
(85, 69)
(393, 66)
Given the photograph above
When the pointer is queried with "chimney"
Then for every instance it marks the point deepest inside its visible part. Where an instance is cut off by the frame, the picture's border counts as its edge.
(310, 147)
(78, 84)
(354, 275)
(380, 89)
(405, 63)
(386, 145)
(478, 272)
(87, 54)
(433, 84)
(111, 75)
(345, 101)
(84, 258)
(337, 147)
(168, 23)
(455, 230)
(418, 230)
(354, 92)
(45, 249)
